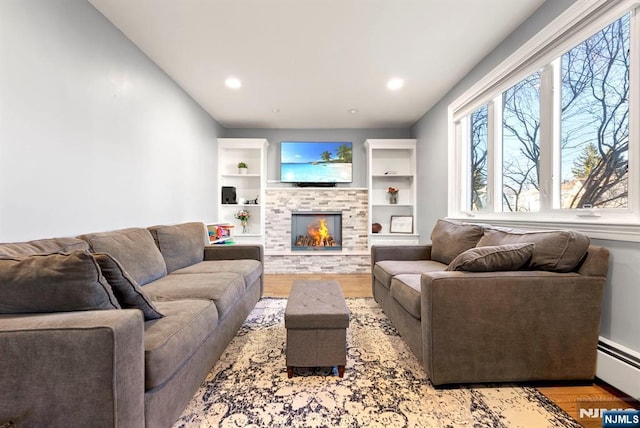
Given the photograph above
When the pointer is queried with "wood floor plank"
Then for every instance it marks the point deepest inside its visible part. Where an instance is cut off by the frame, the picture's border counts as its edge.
(567, 397)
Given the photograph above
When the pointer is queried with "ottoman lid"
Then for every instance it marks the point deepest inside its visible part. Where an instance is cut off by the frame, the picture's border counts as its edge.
(316, 304)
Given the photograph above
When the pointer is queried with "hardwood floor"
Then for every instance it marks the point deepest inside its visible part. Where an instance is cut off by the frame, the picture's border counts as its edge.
(564, 396)
(353, 285)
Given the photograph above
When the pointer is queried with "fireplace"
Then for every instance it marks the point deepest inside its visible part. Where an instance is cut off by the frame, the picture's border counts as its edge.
(316, 230)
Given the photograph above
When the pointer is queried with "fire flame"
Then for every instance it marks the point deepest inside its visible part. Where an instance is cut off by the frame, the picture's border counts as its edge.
(319, 232)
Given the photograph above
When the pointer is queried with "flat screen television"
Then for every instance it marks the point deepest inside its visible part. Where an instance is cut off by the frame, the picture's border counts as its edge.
(316, 162)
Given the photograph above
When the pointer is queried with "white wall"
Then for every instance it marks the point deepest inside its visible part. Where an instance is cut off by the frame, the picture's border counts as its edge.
(93, 136)
(356, 136)
(620, 318)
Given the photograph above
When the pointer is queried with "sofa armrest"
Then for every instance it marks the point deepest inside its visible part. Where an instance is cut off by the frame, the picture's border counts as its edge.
(509, 326)
(234, 252)
(72, 369)
(400, 252)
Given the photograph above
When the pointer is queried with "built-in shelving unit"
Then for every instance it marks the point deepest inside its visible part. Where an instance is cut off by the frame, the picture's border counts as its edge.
(250, 185)
(391, 163)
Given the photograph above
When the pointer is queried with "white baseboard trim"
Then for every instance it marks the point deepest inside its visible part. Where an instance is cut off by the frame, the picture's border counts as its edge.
(619, 366)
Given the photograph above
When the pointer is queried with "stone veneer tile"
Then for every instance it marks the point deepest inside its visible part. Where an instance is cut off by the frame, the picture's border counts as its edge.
(280, 202)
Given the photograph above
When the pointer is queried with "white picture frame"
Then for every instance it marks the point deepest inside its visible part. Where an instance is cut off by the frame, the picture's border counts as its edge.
(401, 224)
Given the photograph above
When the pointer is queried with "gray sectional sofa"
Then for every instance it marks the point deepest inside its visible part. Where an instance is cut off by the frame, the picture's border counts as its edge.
(117, 328)
(485, 304)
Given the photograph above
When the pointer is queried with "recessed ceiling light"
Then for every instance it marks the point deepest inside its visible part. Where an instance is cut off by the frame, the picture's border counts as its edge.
(353, 110)
(395, 84)
(233, 83)
(275, 110)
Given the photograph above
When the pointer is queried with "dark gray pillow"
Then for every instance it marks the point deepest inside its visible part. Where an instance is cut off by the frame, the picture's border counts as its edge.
(125, 288)
(493, 258)
(53, 283)
(450, 238)
(42, 246)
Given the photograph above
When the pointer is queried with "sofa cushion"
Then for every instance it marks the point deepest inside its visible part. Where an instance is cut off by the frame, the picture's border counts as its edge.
(43, 246)
(493, 258)
(181, 245)
(134, 248)
(385, 270)
(53, 283)
(170, 341)
(450, 238)
(555, 250)
(405, 289)
(250, 270)
(125, 288)
(224, 288)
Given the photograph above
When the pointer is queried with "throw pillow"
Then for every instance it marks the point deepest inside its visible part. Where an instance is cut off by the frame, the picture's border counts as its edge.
(450, 238)
(125, 288)
(493, 258)
(53, 283)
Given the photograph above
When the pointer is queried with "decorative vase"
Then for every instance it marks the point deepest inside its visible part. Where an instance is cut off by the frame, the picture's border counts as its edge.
(242, 170)
(393, 198)
(244, 226)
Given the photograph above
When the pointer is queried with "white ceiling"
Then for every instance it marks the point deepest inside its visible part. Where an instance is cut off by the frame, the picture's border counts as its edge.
(314, 60)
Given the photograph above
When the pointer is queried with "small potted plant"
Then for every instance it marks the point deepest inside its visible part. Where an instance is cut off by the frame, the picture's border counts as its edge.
(242, 168)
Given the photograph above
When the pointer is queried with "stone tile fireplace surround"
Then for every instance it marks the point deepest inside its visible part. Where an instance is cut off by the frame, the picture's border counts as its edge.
(281, 202)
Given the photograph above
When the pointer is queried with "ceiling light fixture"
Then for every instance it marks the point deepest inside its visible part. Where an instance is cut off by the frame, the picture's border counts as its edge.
(233, 83)
(275, 110)
(395, 84)
(353, 110)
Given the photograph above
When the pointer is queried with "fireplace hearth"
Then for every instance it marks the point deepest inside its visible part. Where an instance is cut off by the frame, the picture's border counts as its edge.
(316, 230)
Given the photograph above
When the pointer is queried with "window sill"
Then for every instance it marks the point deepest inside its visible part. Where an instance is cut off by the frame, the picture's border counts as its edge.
(627, 230)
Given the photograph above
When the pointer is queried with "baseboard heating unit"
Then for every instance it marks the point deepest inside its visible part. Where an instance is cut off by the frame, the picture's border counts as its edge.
(619, 366)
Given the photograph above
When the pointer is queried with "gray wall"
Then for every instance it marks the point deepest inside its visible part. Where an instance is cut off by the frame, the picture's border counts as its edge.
(621, 318)
(93, 136)
(356, 136)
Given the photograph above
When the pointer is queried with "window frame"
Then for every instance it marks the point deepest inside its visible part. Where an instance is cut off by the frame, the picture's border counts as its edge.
(577, 23)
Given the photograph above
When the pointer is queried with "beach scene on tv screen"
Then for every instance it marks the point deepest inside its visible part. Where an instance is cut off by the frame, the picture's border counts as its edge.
(315, 162)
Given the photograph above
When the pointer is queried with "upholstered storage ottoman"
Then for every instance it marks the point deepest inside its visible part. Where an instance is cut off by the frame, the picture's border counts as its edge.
(316, 319)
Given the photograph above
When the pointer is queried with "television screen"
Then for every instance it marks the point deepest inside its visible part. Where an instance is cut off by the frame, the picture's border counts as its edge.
(315, 162)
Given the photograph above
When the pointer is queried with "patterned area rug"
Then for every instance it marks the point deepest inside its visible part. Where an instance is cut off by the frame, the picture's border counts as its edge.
(383, 386)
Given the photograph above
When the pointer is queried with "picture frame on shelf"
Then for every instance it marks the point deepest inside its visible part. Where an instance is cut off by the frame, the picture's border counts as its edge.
(401, 224)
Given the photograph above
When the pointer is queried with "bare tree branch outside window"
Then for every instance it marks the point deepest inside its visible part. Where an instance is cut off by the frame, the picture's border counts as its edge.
(595, 120)
(479, 171)
(521, 146)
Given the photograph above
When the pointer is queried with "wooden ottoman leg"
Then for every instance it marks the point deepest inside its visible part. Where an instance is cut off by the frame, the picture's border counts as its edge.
(341, 371)
(289, 372)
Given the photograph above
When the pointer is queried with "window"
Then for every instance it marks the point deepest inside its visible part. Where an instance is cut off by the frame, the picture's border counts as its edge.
(479, 169)
(595, 120)
(548, 134)
(521, 145)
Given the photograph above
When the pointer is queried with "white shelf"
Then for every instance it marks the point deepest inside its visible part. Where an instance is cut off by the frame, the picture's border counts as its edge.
(252, 151)
(393, 205)
(393, 234)
(240, 175)
(392, 176)
(384, 156)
